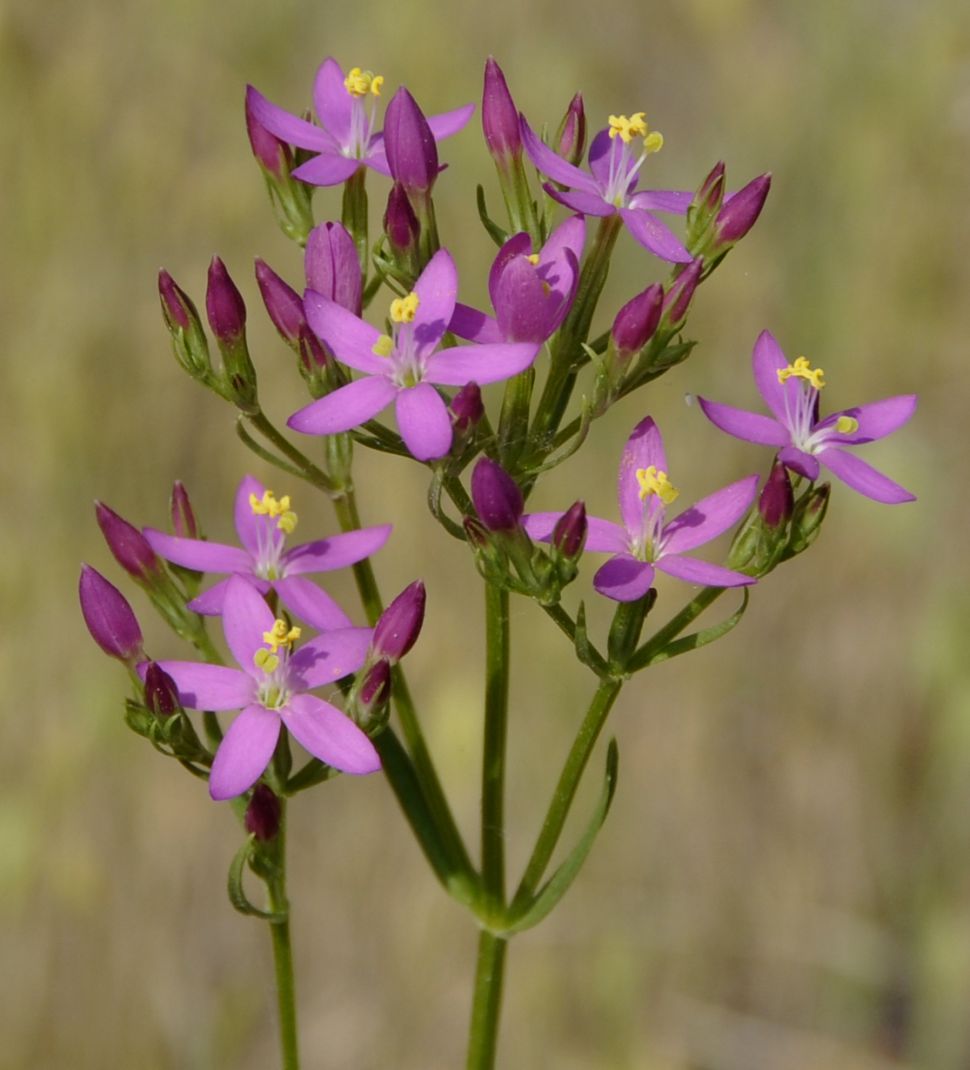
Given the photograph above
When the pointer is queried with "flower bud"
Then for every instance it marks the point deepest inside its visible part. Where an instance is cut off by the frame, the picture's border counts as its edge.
(224, 305)
(127, 544)
(776, 502)
(110, 619)
(466, 407)
(263, 814)
(807, 518)
(412, 154)
(183, 517)
(570, 140)
(680, 293)
(332, 267)
(371, 697)
(400, 624)
(710, 194)
(740, 213)
(400, 223)
(497, 497)
(569, 534)
(283, 304)
(272, 154)
(500, 118)
(182, 320)
(476, 533)
(161, 694)
(637, 320)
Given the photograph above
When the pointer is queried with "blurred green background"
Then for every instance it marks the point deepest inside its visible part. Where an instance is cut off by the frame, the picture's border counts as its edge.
(784, 881)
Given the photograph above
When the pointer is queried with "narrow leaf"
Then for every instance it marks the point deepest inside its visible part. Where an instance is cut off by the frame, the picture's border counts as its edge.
(237, 894)
(650, 655)
(495, 232)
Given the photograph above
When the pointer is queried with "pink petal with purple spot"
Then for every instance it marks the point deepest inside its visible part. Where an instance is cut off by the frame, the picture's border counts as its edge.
(330, 657)
(311, 604)
(751, 426)
(244, 753)
(351, 339)
(330, 735)
(436, 288)
(423, 420)
(245, 616)
(209, 687)
(346, 408)
(517, 245)
(876, 420)
(481, 364)
(337, 551)
(862, 477)
(624, 579)
(709, 517)
(474, 326)
(197, 554)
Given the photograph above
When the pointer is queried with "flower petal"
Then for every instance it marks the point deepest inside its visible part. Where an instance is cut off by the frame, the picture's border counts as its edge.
(526, 306)
(337, 551)
(662, 200)
(474, 326)
(210, 602)
(423, 420)
(480, 364)
(569, 235)
(767, 359)
(329, 657)
(209, 687)
(329, 735)
(694, 571)
(861, 476)
(605, 156)
(552, 165)
(580, 201)
(310, 603)
(346, 408)
(655, 236)
(799, 461)
(436, 288)
(446, 123)
(288, 127)
(623, 578)
(876, 420)
(751, 426)
(712, 515)
(245, 616)
(351, 339)
(644, 448)
(603, 536)
(331, 100)
(326, 170)
(244, 753)
(251, 528)
(198, 554)
(376, 156)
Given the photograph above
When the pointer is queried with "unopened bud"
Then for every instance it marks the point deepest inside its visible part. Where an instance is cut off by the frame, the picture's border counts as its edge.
(110, 619)
(637, 320)
(263, 814)
(777, 500)
(412, 153)
(183, 321)
(332, 266)
(497, 497)
(371, 697)
(283, 304)
(807, 518)
(128, 546)
(570, 140)
(741, 212)
(710, 194)
(467, 408)
(161, 694)
(273, 155)
(226, 313)
(183, 517)
(569, 534)
(400, 624)
(680, 293)
(500, 118)
(400, 223)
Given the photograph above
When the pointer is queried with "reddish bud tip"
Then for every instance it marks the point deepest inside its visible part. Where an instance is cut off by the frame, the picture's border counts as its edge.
(777, 499)
(497, 497)
(263, 814)
(283, 304)
(678, 297)
(571, 136)
(129, 547)
(177, 307)
(500, 118)
(161, 694)
(467, 407)
(224, 305)
(741, 212)
(110, 619)
(332, 267)
(412, 154)
(569, 534)
(400, 624)
(638, 319)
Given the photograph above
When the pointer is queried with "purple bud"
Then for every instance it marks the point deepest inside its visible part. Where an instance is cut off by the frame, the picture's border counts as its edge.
(313, 356)
(182, 319)
(412, 154)
(376, 688)
(110, 620)
(500, 118)
(271, 153)
(498, 500)
(569, 534)
(570, 138)
(161, 694)
(777, 500)
(129, 547)
(400, 624)
(282, 302)
(263, 814)
(400, 223)
(681, 291)
(332, 267)
(710, 194)
(183, 518)
(738, 216)
(224, 305)
(177, 306)
(466, 407)
(476, 533)
(637, 320)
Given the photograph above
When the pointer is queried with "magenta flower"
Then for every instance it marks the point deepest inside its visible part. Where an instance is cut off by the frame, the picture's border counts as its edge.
(531, 292)
(403, 368)
(263, 523)
(647, 540)
(270, 688)
(345, 139)
(804, 441)
(615, 158)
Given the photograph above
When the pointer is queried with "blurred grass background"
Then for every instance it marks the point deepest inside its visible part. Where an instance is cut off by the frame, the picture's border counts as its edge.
(784, 882)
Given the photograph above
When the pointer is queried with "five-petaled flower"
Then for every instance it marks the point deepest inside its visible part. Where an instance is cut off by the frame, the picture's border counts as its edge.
(403, 368)
(646, 540)
(263, 523)
(615, 157)
(271, 688)
(345, 139)
(791, 392)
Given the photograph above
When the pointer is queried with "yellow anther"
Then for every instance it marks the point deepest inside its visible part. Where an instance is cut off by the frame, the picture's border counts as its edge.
(628, 128)
(533, 259)
(359, 83)
(846, 425)
(801, 369)
(266, 661)
(404, 309)
(280, 635)
(653, 142)
(383, 347)
(653, 481)
(269, 506)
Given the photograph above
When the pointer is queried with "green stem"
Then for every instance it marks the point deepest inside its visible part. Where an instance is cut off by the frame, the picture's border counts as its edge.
(487, 1001)
(283, 954)
(493, 756)
(677, 624)
(311, 473)
(354, 215)
(565, 791)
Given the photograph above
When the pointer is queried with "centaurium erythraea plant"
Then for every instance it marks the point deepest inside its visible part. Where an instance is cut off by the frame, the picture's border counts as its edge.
(375, 327)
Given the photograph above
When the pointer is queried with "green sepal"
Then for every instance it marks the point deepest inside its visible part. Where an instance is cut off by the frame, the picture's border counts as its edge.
(647, 655)
(584, 649)
(313, 773)
(495, 232)
(237, 894)
(558, 884)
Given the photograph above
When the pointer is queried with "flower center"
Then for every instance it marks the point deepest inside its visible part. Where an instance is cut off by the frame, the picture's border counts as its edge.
(271, 540)
(653, 481)
(624, 165)
(402, 349)
(363, 86)
(268, 505)
(272, 659)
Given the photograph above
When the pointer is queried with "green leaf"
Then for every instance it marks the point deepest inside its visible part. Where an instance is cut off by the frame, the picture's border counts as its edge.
(649, 655)
(558, 884)
(237, 894)
(495, 232)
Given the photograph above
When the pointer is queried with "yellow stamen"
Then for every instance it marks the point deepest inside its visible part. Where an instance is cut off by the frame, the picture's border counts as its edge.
(404, 309)
(269, 506)
(533, 259)
(802, 369)
(359, 83)
(628, 128)
(846, 425)
(653, 142)
(281, 635)
(266, 661)
(383, 347)
(653, 481)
